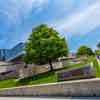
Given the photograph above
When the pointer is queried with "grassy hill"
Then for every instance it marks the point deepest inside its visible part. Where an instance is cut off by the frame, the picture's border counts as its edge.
(48, 77)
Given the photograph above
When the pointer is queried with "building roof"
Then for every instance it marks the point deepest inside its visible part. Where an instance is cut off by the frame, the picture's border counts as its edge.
(13, 53)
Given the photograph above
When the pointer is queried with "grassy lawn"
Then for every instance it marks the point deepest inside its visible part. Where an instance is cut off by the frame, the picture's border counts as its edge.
(96, 67)
(74, 66)
(7, 83)
(48, 77)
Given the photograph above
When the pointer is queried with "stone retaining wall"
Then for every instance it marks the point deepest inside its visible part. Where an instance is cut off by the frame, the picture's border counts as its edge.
(88, 87)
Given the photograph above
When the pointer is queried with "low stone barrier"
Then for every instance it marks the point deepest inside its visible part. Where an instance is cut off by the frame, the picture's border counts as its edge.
(87, 87)
(85, 72)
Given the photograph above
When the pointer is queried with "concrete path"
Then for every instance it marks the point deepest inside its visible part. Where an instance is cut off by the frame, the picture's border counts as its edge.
(32, 98)
(49, 98)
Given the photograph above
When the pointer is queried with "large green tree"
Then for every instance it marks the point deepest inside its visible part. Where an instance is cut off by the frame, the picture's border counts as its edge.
(44, 46)
(84, 51)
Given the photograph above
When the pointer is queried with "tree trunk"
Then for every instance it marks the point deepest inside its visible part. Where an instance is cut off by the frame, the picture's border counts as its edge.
(25, 66)
(51, 66)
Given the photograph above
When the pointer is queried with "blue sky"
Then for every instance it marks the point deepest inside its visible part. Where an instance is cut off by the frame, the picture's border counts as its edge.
(77, 20)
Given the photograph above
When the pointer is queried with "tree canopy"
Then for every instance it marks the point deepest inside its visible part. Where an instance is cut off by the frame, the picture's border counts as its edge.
(97, 52)
(98, 45)
(84, 51)
(44, 46)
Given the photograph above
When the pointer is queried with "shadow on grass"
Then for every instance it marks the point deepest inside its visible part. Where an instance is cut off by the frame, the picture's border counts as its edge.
(27, 80)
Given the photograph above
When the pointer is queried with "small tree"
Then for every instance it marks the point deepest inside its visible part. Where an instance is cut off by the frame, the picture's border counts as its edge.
(97, 52)
(84, 51)
(44, 46)
(98, 45)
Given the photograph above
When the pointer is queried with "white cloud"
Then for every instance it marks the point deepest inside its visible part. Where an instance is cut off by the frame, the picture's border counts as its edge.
(81, 22)
(15, 9)
(14, 12)
(39, 5)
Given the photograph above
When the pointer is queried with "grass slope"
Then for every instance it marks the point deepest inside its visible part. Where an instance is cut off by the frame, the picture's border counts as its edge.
(48, 77)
